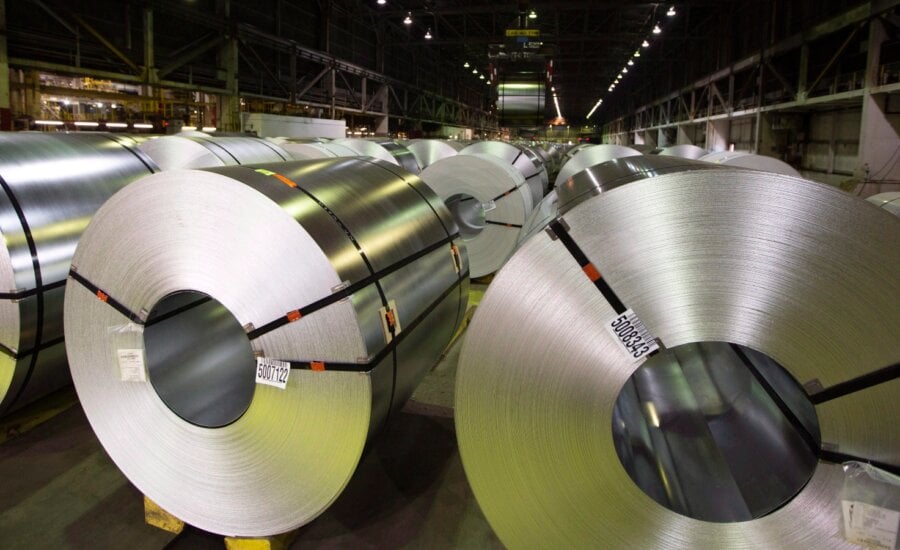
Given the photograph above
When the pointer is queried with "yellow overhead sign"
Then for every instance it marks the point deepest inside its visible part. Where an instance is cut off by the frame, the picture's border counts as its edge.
(530, 33)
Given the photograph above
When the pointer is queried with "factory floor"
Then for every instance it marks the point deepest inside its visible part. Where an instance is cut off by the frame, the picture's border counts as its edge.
(59, 489)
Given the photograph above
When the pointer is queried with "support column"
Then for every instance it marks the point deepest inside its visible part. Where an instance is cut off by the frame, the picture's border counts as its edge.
(229, 103)
(878, 135)
(381, 122)
(718, 134)
(5, 111)
(150, 76)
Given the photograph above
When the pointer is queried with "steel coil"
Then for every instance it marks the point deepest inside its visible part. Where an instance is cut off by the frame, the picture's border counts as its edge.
(310, 151)
(171, 152)
(740, 159)
(351, 270)
(517, 157)
(591, 156)
(50, 186)
(890, 201)
(801, 272)
(685, 151)
(614, 173)
(367, 148)
(404, 157)
(429, 151)
(541, 166)
(546, 211)
(489, 200)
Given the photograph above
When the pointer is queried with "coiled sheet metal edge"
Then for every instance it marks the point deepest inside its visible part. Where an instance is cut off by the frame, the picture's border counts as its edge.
(699, 256)
(50, 186)
(356, 235)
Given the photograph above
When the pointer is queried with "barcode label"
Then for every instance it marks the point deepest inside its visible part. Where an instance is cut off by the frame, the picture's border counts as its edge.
(869, 525)
(272, 372)
(632, 336)
(131, 365)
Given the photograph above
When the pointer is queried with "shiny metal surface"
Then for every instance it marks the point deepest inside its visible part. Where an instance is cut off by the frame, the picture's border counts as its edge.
(429, 151)
(614, 173)
(591, 156)
(740, 159)
(540, 165)
(545, 212)
(55, 182)
(700, 256)
(475, 187)
(310, 151)
(404, 157)
(889, 201)
(367, 148)
(259, 248)
(685, 151)
(172, 152)
(699, 434)
(517, 158)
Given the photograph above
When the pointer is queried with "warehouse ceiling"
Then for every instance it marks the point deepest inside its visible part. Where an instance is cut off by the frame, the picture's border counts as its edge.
(585, 44)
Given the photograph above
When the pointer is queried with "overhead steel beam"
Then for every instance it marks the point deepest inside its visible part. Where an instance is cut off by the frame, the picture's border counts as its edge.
(191, 52)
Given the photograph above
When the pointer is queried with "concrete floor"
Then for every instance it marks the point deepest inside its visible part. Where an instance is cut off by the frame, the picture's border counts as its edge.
(59, 489)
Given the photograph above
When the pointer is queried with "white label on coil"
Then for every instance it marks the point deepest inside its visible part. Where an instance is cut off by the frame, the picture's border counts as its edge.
(131, 365)
(272, 372)
(870, 526)
(488, 206)
(632, 336)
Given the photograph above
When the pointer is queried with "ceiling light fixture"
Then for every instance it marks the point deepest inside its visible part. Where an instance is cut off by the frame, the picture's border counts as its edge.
(481, 76)
(599, 101)
(645, 44)
(381, 2)
(637, 53)
(619, 77)
(671, 12)
(532, 15)
(428, 34)
(474, 71)
(408, 19)
(656, 29)
(466, 65)
(624, 69)
(630, 62)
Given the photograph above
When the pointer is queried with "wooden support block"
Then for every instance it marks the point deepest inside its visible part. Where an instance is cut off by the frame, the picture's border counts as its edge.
(159, 518)
(275, 542)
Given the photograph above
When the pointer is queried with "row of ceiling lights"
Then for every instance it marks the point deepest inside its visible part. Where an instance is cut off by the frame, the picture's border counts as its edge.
(637, 53)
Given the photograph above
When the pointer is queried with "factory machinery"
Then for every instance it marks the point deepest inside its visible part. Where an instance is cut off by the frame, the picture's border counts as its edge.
(679, 349)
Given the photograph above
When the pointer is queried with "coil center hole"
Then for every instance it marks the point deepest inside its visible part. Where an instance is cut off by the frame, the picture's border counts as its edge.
(468, 213)
(199, 359)
(716, 432)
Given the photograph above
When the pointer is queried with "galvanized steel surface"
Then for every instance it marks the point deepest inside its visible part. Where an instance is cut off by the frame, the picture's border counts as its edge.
(699, 256)
(685, 151)
(517, 158)
(51, 186)
(590, 156)
(890, 201)
(260, 248)
(740, 159)
(171, 152)
(429, 151)
(489, 200)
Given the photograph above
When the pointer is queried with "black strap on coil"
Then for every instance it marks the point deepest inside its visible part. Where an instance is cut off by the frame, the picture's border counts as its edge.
(378, 357)
(38, 283)
(558, 229)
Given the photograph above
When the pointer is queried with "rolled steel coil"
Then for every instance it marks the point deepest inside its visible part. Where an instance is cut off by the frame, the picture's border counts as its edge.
(171, 152)
(614, 173)
(429, 151)
(591, 156)
(700, 256)
(740, 159)
(350, 271)
(685, 151)
(541, 166)
(367, 148)
(50, 186)
(517, 157)
(404, 157)
(889, 201)
(547, 210)
(489, 200)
